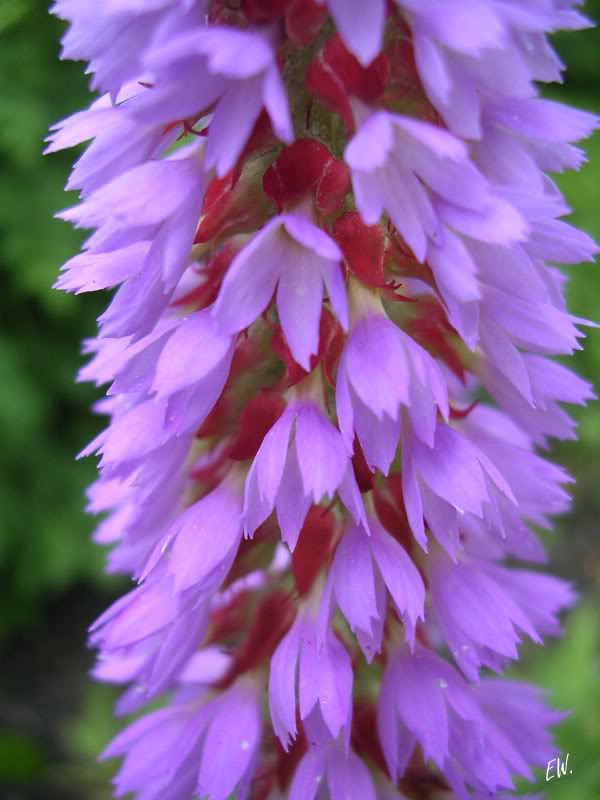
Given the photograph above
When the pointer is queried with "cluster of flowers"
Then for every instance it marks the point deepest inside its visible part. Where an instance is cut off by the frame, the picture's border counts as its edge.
(330, 222)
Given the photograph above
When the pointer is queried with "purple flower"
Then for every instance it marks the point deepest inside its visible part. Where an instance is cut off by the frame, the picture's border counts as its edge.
(461, 728)
(301, 460)
(483, 610)
(366, 567)
(324, 680)
(239, 76)
(380, 371)
(390, 151)
(123, 217)
(329, 225)
(346, 776)
(198, 558)
(198, 745)
(446, 481)
(120, 142)
(297, 258)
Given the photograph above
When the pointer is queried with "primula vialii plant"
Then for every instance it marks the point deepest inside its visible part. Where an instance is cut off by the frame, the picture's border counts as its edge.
(329, 358)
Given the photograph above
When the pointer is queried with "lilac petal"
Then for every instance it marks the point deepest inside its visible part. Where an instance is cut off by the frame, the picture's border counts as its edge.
(182, 639)
(378, 437)
(360, 26)
(207, 665)
(188, 408)
(136, 372)
(229, 52)
(167, 182)
(442, 520)
(90, 272)
(354, 580)
(256, 506)
(308, 776)
(187, 748)
(505, 357)
(325, 677)
(343, 404)
(235, 53)
(180, 97)
(423, 709)
(535, 326)
(321, 453)
(282, 686)
(349, 778)
(311, 237)
(232, 124)
(204, 536)
(454, 269)
(251, 279)
(396, 740)
(540, 596)
(401, 577)
(360, 153)
(410, 209)
(325, 612)
(499, 222)
(351, 497)
(164, 719)
(431, 63)
(292, 502)
(148, 609)
(276, 103)
(137, 305)
(308, 673)
(191, 353)
(135, 433)
(272, 456)
(412, 496)
(232, 739)
(558, 241)
(452, 471)
(173, 242)
(80, 127)
(370, 643)
(376, 366)
(336, 291)
(299, 302)
(370, 201)
(441, 161)
(469, 27)
(540, 118)
(335, 688)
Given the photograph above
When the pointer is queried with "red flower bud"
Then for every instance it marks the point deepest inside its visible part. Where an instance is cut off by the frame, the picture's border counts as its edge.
(363, 247)
(314, 547)
(335, 74)
(257, 419)
(303, 20)
(307, 166)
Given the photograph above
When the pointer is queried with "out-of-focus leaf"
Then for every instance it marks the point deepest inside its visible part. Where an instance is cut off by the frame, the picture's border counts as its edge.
(21, 759)
(570, 670)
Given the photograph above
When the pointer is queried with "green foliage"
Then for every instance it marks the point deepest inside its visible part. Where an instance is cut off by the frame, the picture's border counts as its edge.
(44, 538)
(570, 669)
(21, 757)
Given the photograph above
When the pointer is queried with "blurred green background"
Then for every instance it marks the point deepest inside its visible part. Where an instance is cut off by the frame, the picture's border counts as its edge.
(53, 720)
